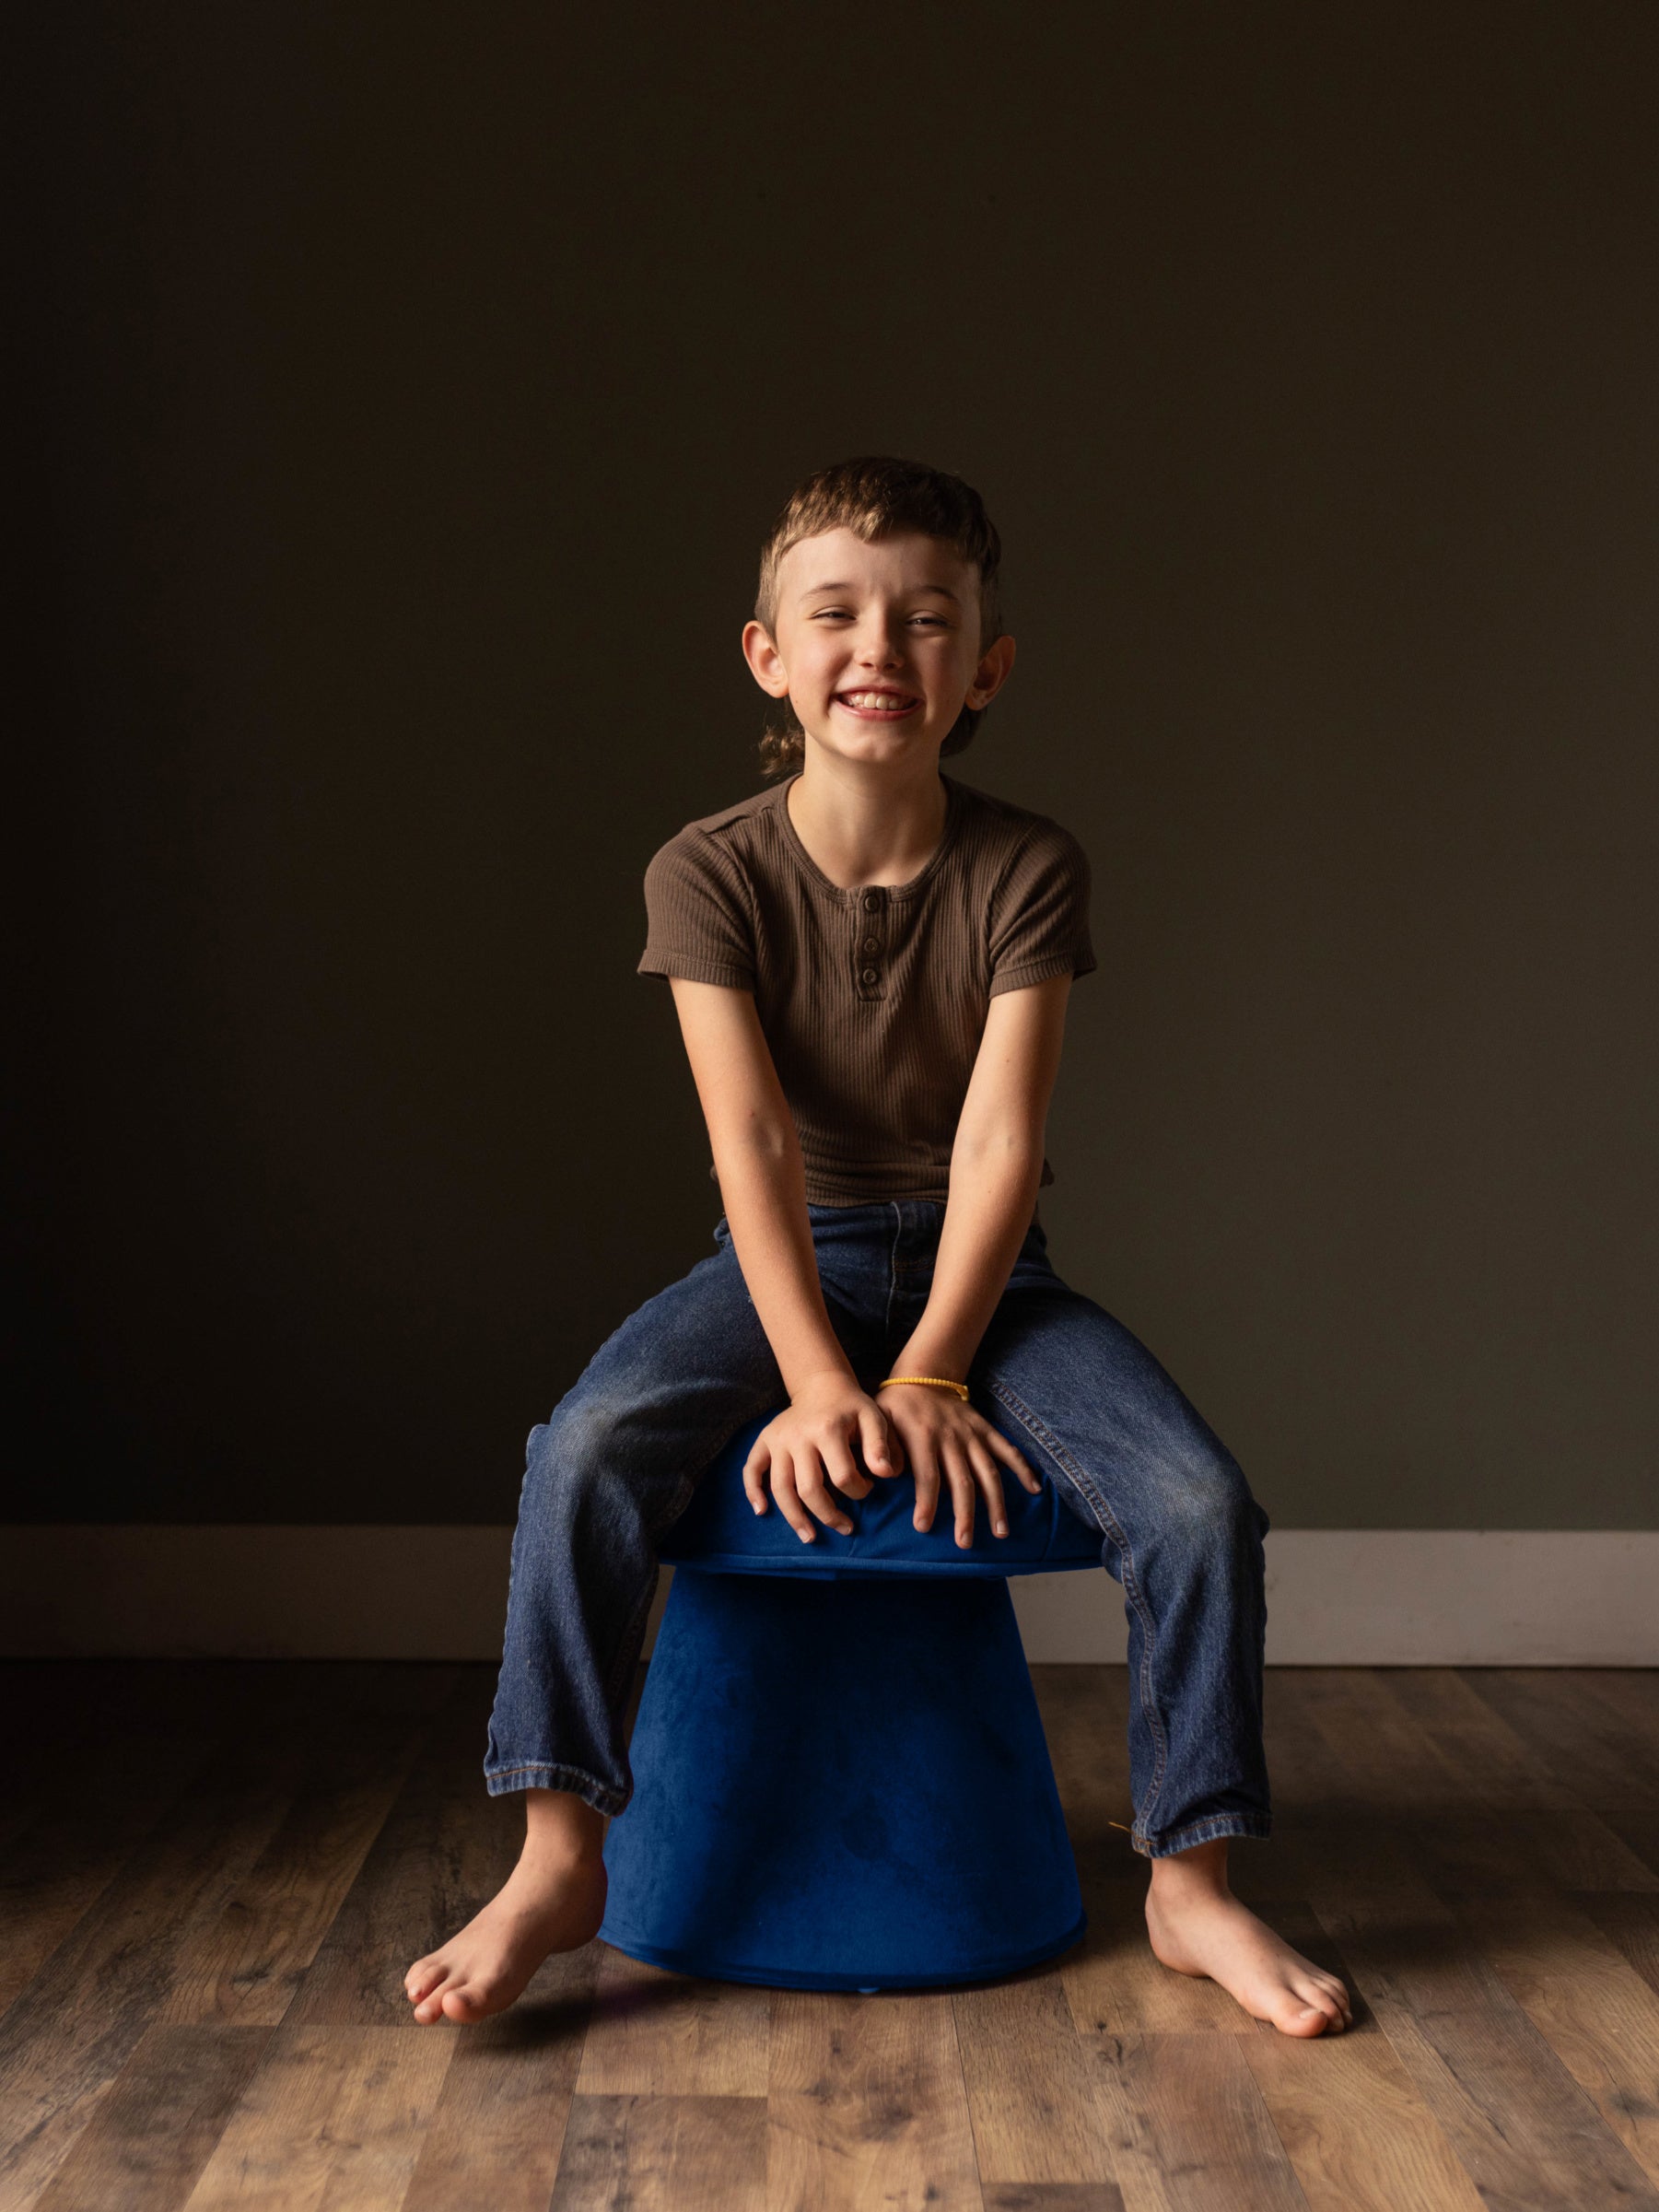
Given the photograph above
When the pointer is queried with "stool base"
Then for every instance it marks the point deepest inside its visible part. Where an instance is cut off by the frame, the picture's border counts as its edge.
(780, 1977)
(840, 1785)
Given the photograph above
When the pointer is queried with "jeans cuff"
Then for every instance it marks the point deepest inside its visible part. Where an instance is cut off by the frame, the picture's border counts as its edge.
(1207, 1830)
(500, 1780)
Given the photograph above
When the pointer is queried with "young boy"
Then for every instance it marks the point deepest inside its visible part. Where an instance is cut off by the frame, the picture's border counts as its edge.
(871, 963)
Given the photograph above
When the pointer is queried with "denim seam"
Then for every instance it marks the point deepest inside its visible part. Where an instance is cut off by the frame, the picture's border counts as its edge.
(620, 1677)
(892, 1267)
(1131, 1581)
(611, 1801)
(1207, 1829)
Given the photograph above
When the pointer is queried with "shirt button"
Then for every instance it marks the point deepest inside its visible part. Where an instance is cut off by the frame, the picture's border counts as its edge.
(871, 901)
(868, 975)
(870, 944)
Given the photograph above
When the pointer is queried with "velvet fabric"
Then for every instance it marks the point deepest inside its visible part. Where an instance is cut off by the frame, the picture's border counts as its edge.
(840, 1786)
(841, 1780)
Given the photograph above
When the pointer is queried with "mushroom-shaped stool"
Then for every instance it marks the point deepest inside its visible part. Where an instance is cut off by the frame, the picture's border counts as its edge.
(840, 1776)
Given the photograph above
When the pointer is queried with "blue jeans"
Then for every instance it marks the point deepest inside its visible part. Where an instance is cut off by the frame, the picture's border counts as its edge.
(1083, 1400)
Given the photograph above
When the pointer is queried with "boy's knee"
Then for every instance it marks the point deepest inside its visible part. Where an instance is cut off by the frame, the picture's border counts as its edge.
(1210, 1506)
(567, 1458)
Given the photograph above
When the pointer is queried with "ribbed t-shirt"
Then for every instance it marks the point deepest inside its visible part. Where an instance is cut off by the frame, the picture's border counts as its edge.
(873, 1001)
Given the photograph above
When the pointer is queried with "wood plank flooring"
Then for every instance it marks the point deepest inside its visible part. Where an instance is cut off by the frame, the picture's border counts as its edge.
(214, 1875)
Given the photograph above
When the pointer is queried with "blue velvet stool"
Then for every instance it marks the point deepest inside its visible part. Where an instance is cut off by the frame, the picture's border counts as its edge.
(840, 1777)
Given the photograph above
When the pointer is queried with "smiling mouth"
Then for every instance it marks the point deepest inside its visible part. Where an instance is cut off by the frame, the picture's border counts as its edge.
(889, 705)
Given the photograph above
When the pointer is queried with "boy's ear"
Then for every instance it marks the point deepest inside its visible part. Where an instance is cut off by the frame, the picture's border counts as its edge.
(991, 674)
(760, 650)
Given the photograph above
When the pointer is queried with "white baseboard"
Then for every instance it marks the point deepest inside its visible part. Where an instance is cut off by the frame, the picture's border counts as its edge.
(1336, 1597)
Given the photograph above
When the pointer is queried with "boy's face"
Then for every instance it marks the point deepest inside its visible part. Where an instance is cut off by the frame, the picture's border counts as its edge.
(877, 646)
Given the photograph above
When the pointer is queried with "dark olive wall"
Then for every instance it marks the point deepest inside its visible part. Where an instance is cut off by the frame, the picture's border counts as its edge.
(407, 392)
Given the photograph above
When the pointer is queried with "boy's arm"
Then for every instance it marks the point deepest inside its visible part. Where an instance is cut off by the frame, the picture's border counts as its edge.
(996, 1162)
(763, 1185)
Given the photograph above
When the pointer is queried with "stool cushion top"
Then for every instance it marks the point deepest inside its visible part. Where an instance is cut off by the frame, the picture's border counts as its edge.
(720, 1533)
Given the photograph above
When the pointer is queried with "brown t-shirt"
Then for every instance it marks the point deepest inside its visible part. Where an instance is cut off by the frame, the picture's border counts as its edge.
(873, 1001)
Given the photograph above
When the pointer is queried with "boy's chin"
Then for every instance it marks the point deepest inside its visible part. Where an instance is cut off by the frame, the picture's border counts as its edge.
(909, 740)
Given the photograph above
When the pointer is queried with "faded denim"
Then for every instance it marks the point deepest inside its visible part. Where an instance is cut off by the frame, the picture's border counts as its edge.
(1082, 1398)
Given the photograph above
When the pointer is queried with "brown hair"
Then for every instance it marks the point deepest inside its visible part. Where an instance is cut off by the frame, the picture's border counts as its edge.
(877, 497)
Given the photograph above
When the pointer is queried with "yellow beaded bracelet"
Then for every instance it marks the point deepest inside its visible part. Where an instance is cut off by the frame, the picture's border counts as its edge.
(939, 1381)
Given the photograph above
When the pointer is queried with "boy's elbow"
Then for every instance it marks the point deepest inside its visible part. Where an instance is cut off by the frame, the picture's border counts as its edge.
(1007, 1148)
(760, 1141)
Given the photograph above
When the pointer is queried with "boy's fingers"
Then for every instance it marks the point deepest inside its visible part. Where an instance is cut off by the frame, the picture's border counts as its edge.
(1012, 1456)
(990, 1482)
(898, 1458)
(789, 1504)
(879, 1455)
(927, 1488)
(960, 1480)
(754, 1477)
(1026, 1473)
(844, 1472)
(810, 1487)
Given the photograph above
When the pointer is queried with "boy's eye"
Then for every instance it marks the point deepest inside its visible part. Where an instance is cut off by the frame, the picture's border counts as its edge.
(916, 622)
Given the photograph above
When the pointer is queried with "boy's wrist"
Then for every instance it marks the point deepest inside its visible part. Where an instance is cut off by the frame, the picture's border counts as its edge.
(820, 1378)
(940, 1361)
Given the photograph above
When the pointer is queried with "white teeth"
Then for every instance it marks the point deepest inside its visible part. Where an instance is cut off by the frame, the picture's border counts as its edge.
(874, 702)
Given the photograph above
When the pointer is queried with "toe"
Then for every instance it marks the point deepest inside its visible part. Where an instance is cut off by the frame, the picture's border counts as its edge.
(430, 2008)
(1332, 2014)
(422, 1978)
(1325, 1990)
(464, 2004)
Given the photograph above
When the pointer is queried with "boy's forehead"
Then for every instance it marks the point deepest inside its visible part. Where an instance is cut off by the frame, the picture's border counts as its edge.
(903, 561)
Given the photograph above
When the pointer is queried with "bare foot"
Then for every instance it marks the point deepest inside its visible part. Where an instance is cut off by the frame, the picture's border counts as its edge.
(1198, 1926)
(552, 1901)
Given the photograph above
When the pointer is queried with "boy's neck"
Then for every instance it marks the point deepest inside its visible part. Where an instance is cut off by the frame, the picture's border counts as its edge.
(860, 829)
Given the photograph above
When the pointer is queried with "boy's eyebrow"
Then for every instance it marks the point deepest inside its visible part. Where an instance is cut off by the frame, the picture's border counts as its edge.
(941, 590)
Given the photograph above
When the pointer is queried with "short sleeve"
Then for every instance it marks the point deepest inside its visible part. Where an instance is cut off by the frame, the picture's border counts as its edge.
(1039, 920)
(697, 913)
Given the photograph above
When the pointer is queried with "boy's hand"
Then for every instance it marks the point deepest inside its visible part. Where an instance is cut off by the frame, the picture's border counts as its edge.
(946, 1442)
(813, 1439)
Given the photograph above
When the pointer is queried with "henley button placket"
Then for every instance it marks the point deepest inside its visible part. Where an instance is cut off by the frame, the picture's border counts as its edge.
(870, 941)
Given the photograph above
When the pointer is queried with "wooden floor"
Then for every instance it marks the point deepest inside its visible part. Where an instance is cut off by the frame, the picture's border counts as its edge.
(215, 1875)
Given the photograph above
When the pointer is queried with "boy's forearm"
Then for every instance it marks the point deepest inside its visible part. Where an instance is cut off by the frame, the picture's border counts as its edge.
(993, 1193)
(764, 1188)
